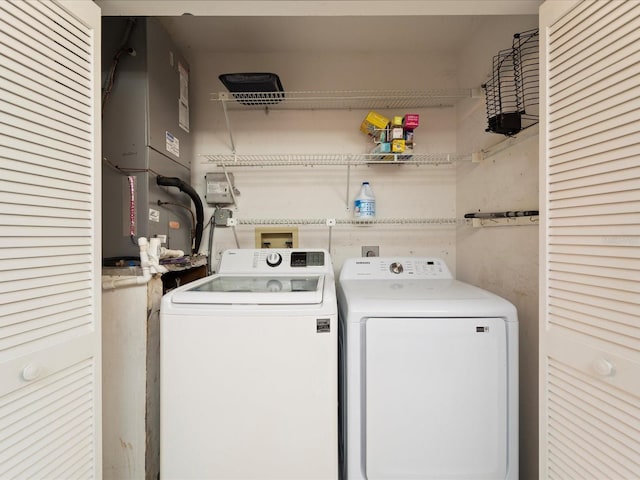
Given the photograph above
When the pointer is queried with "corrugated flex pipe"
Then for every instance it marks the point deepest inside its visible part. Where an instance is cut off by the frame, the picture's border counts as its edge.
(188, 189)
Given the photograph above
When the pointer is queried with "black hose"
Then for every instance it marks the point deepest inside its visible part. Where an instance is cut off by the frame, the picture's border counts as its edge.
(188, 189)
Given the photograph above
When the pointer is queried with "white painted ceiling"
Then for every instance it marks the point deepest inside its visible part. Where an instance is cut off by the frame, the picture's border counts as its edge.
(327, 34)
(266, 26)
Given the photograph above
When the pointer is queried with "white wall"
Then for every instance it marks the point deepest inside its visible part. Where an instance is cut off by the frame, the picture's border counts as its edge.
(320, 192)
(503, 260)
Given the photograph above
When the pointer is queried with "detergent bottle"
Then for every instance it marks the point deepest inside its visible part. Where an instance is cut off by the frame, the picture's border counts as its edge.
(364, 205)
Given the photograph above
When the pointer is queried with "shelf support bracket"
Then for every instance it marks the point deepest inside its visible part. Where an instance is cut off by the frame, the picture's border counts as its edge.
(226, 175)
(346, 200)
(524, 134)
(331, 222)
(223, 97)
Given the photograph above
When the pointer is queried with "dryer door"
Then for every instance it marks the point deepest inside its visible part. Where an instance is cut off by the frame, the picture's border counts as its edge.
(436, 398)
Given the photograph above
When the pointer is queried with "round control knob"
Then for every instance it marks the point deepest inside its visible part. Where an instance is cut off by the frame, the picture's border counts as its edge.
(274, 259)
(396, 268)
(274, 285)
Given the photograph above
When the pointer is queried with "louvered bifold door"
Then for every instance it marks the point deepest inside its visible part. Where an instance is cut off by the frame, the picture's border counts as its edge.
(49, 247)
(590, 258)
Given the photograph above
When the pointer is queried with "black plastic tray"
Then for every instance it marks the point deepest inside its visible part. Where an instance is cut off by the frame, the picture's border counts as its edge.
(254, 88)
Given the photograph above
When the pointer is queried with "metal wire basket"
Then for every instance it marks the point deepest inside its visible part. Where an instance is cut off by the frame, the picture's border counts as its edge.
(526, 47)
(512, 91)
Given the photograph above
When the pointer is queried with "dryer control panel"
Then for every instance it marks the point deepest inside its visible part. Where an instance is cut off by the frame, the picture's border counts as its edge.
(379, 268)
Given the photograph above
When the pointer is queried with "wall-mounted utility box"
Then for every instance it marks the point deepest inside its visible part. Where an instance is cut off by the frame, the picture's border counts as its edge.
(277, 237)
(219, 189)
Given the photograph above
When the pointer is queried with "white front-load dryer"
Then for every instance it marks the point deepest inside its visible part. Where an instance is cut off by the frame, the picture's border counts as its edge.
(249, 362)
(429, 367)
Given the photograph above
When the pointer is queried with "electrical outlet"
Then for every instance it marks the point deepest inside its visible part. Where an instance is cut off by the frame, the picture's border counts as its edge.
(221, 216)
(371, 251)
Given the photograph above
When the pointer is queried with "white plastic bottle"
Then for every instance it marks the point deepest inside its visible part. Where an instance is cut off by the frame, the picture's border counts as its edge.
(365, 203)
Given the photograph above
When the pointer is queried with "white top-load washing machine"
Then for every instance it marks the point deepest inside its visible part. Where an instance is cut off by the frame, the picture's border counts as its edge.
(429, 366)
(249, 362)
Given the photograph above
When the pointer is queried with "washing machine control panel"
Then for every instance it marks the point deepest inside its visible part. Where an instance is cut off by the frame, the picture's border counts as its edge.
(281, 260)
(403, 267)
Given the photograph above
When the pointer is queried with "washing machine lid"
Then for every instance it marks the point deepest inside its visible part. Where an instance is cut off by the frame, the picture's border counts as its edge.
(256, 290)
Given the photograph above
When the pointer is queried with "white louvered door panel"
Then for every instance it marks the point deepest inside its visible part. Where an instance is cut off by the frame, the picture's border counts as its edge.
(590, 258)
(49, 240)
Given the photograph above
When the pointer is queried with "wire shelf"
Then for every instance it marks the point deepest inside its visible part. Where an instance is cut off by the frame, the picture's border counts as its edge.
(529, 220)
(336, 159)
(343, 100)
(345, 221)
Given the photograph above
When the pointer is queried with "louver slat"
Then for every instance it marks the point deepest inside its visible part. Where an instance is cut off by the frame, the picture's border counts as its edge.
(43, 32)
(604, 305)
(34, 92)
(46, 54)
(51, 178)
(616, 99)
(594, 39)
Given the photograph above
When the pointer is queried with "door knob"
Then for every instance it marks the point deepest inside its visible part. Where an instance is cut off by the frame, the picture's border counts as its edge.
(604, 367)
(31, 372)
